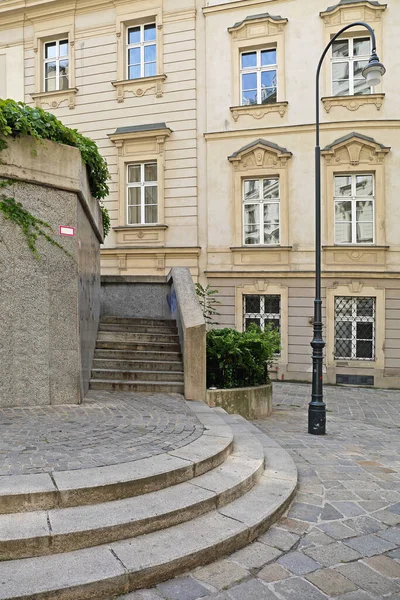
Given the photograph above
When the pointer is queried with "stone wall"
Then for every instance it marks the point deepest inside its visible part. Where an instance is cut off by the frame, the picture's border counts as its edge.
(49, 309)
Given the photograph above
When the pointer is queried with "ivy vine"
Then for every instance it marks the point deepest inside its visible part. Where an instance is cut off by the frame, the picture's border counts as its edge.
(31, 226)
(17, 119)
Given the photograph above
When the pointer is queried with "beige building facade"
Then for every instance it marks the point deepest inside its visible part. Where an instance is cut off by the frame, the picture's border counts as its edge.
(205, 112)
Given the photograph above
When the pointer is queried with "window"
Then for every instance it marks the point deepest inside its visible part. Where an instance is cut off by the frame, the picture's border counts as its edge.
(141, 48)
(261, 211)
(355, 328)
(261, 310)
(349, 57)
(354, 209)
(56, 65)
(142, 193)
(258, 77)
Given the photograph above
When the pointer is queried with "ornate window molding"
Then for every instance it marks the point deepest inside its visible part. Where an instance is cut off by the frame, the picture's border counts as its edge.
(265, 287)
(260, 159)
(337, 16)
(140, 144)
(58, 98)
(352, 154)
(143, 85)
(255, 32)
(355, 289)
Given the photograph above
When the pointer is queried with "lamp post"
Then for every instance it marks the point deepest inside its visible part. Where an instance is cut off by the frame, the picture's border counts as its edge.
(316, 408)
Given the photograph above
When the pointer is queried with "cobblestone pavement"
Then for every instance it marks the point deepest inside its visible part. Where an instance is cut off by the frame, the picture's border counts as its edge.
(107, 428)
(341, 537)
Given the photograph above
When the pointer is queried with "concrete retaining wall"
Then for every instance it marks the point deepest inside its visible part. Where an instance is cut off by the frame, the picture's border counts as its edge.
(49, 310)
(250, 402)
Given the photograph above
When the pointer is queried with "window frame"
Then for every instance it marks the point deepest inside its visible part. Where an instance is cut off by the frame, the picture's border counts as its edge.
(142, 185)
(264, 316)
(354, 319)
(351, 59)
(57, 59)
(258, 69)
(141, 45)
(353, 198)
(261, 203)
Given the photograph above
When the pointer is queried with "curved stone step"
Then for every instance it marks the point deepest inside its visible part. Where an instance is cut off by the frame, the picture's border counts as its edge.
(154, 387)
(105, 571)
(64, 530)
(43, 491)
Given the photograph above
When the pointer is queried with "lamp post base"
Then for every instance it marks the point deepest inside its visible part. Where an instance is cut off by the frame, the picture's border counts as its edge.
(317, 418)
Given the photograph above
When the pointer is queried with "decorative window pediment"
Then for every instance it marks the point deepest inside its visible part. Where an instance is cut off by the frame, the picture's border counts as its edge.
(257, 25)
(354, 149)
(349, 10)
(259, 155)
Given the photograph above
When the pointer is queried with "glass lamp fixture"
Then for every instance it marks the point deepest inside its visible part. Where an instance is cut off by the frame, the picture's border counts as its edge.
(374, 70)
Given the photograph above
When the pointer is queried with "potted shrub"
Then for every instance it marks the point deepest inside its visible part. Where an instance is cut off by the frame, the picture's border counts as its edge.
(237, 370)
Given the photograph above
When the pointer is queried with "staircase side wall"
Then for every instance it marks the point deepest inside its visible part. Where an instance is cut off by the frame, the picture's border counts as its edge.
(138, 297)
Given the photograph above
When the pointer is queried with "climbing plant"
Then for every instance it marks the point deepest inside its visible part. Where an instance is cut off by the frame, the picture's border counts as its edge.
(17, 119)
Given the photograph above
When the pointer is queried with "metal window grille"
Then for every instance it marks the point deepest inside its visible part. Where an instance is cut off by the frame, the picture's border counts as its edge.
(354, 328)
(261, 310)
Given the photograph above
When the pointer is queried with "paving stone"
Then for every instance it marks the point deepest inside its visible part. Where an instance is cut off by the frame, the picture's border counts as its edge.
(369, 545)
(221, 574)
(251, 590)
(365, 525)
(183, 588)
(298, 563)
(395, 554)
(297, 589)
(337, 530)
(349, 509)
(142, 595)
(367, 579)
(332, 554)
(385, 565)
(280, 538)
(331, 582)
(388, 517)
(305, 512)
(358, 595)
(273, 572)
(315, 538)
(392, 535)
(294, 525)
(329, 513)
(256, 555)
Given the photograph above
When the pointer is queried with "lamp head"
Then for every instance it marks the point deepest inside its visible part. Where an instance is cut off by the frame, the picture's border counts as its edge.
(374, 70)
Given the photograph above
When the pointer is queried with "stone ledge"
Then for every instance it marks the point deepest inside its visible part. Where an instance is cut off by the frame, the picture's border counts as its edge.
(249, 402)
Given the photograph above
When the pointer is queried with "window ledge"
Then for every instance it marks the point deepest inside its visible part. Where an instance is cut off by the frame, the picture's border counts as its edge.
(140, 235)
(56, 98)
(272, 248)
(140, 226)
(350, 256)
(258, 111)
(353, 102)
(140, 87)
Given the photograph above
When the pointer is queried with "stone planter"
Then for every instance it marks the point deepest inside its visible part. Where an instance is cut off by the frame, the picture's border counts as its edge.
(250, 402)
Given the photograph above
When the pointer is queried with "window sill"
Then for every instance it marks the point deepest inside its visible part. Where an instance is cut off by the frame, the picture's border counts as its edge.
(56, 98)
(139, 87)
(258, 111)
(140, 235)
(353, 102)
(357, 255)
(252, 257)
(260, 247)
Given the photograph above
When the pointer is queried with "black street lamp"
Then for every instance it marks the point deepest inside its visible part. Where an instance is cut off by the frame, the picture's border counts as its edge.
(316, 408)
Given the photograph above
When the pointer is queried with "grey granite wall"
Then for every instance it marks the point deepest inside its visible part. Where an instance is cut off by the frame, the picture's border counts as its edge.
(49, 309)
(135, 296)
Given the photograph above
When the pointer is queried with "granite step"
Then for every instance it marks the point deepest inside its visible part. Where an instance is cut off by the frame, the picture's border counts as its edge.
(137, 355)
(141, 346)
(121, 336)
(105, 571)
(151, 387)
(63, 530)
(138, 375)
(138, 321)
(162, 329)
(62, 489)
(137, 365)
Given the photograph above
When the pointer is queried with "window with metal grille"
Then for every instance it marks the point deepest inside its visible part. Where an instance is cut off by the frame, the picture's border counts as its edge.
(141, 48)
(261, 310)
(354, 328)
(142, 193)
(354, 209)
(258, 79)
(261, 211)
(349, 57)
(56, 65)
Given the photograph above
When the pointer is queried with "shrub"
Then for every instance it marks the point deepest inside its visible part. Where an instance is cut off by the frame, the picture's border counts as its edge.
(18, 119)
(208, 302)
(236, 359)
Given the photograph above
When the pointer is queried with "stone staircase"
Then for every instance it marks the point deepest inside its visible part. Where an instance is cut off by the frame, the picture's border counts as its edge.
(100, 532)
(137, 355)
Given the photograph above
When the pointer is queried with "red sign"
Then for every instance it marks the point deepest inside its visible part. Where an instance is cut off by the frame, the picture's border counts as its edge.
(67, 230)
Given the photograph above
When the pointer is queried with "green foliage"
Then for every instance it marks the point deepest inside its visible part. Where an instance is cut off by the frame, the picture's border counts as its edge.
(207, 302)
(240, 359)
(31, 226)
(106, 219)
(18, 119)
